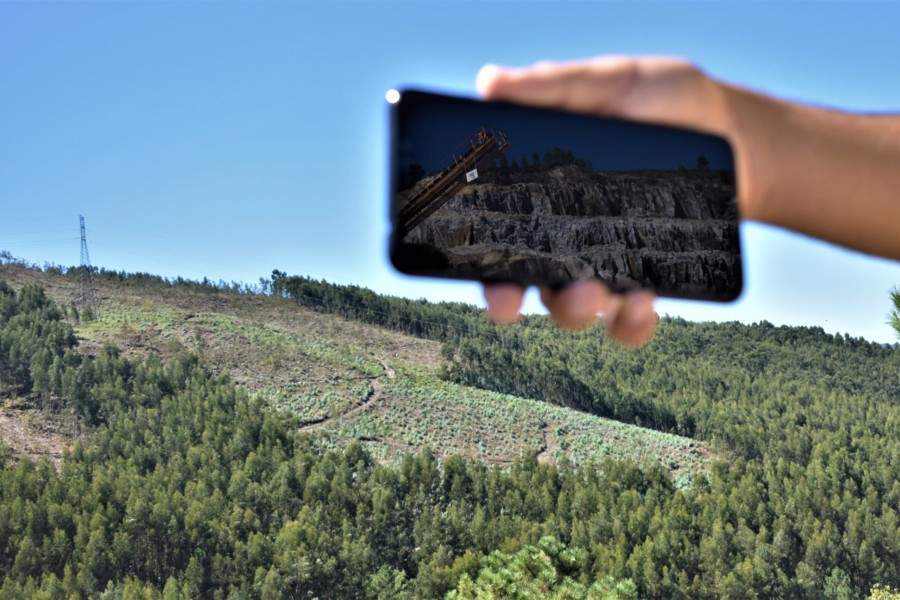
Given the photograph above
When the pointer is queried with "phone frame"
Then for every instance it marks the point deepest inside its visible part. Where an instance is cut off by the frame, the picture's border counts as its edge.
(395, 165)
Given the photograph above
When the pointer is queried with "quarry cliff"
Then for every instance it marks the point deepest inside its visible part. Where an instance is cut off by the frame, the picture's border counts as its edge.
(677, 230)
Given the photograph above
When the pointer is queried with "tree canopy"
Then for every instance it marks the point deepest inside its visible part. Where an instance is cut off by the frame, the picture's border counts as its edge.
(189, 487)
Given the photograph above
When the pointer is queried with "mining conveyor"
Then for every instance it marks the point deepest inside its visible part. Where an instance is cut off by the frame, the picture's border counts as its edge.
(483, 147)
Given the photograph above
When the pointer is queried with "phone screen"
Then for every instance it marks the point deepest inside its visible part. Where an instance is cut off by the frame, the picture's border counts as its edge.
(498, 192)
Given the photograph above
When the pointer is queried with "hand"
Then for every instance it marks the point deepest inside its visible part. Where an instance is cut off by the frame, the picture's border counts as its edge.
(825, 173)
(667, 91)
(659, 90)
(629, 318)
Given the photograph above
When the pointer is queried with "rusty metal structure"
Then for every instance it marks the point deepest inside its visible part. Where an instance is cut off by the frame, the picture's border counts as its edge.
(480, 150)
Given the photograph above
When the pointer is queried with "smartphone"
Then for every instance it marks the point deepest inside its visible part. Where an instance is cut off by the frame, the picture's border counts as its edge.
(492, 192)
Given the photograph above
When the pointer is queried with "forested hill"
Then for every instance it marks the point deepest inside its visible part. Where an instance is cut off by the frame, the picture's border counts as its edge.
(190, 487)
(815, 418)
(344, 380)
(745, 386)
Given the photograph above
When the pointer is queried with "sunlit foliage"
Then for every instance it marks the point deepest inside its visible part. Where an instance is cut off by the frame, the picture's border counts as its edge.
(187, 487)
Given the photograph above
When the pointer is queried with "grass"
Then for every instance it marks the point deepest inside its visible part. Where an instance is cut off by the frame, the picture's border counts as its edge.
(496, 428)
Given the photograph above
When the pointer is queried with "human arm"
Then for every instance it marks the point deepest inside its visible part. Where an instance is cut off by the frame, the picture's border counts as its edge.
(829, 174)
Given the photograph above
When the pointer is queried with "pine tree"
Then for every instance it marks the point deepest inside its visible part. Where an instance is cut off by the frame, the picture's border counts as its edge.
(894, 315)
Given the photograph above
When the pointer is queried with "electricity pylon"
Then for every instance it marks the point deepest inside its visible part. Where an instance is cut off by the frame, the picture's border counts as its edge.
(88, 294)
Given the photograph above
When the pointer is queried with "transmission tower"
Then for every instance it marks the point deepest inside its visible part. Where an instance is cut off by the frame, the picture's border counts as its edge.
(88, 294)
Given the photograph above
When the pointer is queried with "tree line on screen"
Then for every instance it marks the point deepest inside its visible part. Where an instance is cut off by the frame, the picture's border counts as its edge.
(551, 158)
(556, 157)
(187, 487)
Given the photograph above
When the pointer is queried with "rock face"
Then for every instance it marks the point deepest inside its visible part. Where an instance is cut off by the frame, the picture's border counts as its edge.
(673, 232)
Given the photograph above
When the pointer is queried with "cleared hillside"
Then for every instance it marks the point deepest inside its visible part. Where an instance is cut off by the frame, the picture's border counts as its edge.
(346, 380)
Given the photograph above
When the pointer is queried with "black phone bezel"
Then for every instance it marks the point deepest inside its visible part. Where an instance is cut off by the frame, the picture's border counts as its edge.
(417, 95)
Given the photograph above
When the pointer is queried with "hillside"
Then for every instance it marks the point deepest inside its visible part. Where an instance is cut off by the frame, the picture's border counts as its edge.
(184, 485)
(345, 380)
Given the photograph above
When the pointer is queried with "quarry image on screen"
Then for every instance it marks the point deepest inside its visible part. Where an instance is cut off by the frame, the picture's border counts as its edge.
(496, 192)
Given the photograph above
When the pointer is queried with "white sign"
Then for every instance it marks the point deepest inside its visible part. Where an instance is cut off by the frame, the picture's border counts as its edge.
(472, 175)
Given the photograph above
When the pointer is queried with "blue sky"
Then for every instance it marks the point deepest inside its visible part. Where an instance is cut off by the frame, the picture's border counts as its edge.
(228, 139)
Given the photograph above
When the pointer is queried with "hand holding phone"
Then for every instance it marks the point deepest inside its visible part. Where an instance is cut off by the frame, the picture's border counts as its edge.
(496, 192)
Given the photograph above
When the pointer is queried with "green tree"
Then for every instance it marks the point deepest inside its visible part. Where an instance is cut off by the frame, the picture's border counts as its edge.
(541, 571)
(838, 586)
(886, 592)
(894, 315)
(6, 454)
(389, 583)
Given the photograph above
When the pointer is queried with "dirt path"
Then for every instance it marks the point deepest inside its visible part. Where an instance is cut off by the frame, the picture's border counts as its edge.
(374, 397)
(551, 444)
(388, 370)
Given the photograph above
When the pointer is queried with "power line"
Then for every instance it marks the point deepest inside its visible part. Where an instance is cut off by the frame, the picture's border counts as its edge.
(38, 242)
(41, 232)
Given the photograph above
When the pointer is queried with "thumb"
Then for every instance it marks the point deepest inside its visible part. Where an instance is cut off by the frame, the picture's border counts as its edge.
(660, 90)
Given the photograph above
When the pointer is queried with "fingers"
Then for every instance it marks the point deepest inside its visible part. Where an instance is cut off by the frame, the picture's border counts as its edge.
(632, 320)
(629, 318)
(577, 305)
(503, 301)
(593, 87)
(661, 90)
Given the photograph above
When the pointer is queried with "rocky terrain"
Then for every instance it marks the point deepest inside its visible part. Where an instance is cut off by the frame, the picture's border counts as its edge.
(676, 232)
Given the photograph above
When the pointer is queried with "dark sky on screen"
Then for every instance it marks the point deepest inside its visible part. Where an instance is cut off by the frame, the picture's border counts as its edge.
(432, 127)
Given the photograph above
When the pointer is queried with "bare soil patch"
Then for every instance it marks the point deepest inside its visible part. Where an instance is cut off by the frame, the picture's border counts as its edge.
(551, 444)
(34, 434)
